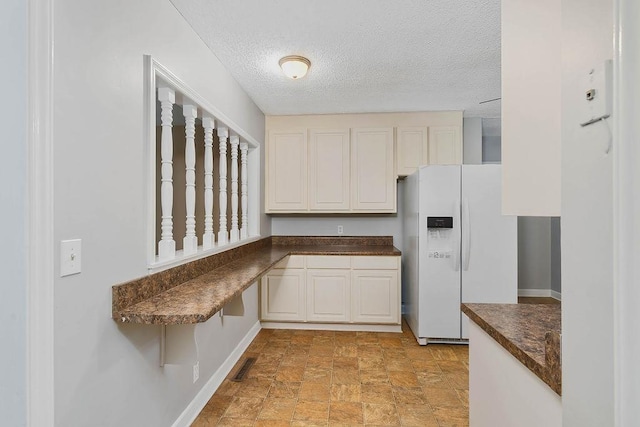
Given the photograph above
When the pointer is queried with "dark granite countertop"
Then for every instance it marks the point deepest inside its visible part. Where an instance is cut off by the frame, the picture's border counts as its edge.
(195, 291)
(530, 332)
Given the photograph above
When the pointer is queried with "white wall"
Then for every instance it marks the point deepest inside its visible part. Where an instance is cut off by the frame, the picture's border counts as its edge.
(491, 149)
(534, 253)
(491, 140)
(531, 120)
(13, 122)
(626, 211)
(587, 246)
(472, 141)
(539, 253)
(556, 255)
(107, 373)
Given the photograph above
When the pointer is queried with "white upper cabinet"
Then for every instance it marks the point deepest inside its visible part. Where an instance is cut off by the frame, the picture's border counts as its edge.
(445, 145)
(531, 107)
(412, 149)
(329, 166)
(349, 163)
(287, 171)
(433, 145)
(373, 178)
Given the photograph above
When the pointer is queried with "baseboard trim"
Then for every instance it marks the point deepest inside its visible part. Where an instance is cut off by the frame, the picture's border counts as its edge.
(198, 403)
(332, 326)
(540, 293)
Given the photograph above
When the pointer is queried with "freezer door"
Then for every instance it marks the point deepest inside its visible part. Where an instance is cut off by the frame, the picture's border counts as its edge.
(439, 291)
(489, 240)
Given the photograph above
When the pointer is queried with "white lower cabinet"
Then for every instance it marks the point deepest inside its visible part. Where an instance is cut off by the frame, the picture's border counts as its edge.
(333, 289)
(328, 295)
(375, 296)
(282, 294)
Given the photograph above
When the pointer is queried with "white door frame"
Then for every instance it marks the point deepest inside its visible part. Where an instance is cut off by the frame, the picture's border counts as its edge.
(40, 245)
(626, 209)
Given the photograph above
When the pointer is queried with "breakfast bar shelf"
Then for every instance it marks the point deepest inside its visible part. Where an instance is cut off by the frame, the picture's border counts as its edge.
(194, 292)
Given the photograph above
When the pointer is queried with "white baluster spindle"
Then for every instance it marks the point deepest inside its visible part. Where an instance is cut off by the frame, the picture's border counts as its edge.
(223, 235)
(208, 238)
(235, 233)
(166, 245)
(190, 240)
(244, 148)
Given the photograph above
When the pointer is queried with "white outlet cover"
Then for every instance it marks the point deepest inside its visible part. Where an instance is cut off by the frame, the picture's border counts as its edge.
(70, 257)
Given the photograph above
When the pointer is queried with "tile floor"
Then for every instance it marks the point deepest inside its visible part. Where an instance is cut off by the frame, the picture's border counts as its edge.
(538, 300)
(323, 378)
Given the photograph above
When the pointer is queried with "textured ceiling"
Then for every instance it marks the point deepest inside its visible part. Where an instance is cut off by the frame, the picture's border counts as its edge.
(366, 55)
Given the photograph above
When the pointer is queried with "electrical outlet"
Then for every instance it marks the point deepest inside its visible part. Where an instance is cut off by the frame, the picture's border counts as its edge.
(340, 230)
(196, 371)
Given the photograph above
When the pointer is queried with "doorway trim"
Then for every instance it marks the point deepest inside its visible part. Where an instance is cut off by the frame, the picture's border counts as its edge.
(626, 210)
(40, 243)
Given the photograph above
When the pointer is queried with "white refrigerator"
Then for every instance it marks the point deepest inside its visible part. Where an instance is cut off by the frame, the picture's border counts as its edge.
(458, 248)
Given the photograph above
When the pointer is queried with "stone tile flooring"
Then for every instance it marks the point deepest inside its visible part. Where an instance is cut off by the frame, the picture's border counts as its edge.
(324, 378)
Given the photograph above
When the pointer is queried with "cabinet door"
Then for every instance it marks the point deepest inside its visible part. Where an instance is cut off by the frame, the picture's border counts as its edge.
(375, 296)
(329, 167)
(287, 171)
(282, 295)
(445, 145)
(412, 149)
(328, 295)
(373, 178)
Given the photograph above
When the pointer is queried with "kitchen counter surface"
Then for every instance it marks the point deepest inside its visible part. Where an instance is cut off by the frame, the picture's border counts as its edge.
(530, 332)
(194, 292)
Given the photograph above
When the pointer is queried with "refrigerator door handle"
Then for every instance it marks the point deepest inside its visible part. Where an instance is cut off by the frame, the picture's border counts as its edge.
(456, 236)
(466, 235)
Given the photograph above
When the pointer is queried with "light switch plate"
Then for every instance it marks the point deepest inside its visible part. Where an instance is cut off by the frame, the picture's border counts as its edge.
(70, 257)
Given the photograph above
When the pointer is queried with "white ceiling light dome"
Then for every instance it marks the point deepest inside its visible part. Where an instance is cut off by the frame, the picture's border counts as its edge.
(294, 66)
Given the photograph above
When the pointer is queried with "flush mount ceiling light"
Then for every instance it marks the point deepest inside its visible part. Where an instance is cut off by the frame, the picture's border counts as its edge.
(294, 66)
